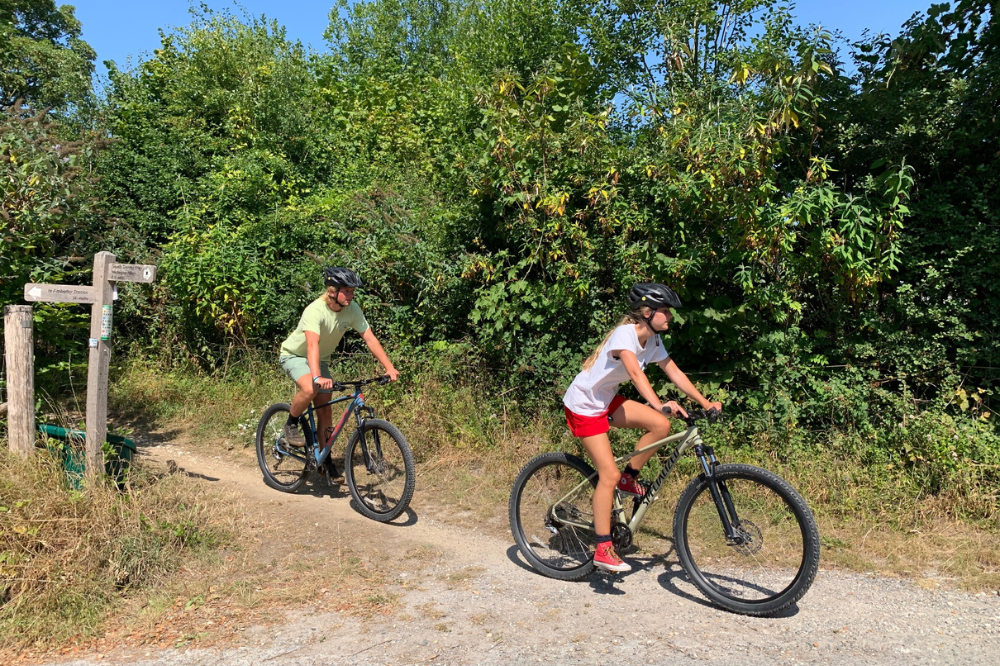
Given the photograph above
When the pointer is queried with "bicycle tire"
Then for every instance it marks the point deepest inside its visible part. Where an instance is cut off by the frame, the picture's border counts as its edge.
(282, 471)
(775, 565)
(557, 549)
(382, 486)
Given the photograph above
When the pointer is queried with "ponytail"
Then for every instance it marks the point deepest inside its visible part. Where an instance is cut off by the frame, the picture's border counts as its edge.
(633, 317)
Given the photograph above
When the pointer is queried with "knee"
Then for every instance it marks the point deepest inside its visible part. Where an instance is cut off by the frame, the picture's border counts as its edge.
(609, 477)
(661, 427)
(310, 392)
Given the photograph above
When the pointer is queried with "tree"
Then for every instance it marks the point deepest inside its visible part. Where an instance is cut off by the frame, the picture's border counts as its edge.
(931, 95)
(43, 61)
(47, 216)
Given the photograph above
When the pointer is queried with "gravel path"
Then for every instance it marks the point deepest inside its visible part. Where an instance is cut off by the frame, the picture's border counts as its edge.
(480, 604)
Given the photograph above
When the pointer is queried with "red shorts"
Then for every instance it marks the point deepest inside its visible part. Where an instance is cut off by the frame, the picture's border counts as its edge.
(585, 426)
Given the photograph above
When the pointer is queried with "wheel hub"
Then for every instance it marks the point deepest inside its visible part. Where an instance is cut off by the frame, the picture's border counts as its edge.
(749, 538)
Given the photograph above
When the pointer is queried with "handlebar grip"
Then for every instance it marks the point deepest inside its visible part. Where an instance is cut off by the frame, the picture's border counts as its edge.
(666, 410)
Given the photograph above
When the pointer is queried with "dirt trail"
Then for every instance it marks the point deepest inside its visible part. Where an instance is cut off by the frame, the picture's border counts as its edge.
(480, 604)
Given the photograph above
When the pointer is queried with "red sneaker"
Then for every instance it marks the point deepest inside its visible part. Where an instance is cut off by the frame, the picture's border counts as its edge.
(606, 558)
(630, 485)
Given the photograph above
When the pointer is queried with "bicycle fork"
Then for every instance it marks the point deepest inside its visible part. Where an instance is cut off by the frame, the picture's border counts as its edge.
(720, 495)
(374, 463)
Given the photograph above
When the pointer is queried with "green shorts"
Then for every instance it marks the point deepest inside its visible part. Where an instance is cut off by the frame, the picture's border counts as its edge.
(296, 366)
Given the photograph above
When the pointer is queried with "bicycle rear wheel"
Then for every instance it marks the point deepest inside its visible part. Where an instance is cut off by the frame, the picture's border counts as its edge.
(284, 466)
(775, 557)
(552, 516)
(379, 470)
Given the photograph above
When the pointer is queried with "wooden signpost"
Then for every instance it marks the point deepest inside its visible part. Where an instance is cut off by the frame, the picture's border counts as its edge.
(100, 296)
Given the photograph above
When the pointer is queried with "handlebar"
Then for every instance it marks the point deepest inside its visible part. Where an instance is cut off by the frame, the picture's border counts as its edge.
(710, 415)
(340, 386)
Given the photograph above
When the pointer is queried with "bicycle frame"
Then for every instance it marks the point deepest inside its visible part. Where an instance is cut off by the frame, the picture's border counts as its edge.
(356, 406)
(687, 439)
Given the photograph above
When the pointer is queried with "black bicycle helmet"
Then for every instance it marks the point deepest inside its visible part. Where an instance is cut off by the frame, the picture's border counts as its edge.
(341, 277)
(653, 295)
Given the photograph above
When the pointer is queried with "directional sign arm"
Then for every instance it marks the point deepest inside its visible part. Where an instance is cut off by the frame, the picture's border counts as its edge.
(59, 293)
(132, 273)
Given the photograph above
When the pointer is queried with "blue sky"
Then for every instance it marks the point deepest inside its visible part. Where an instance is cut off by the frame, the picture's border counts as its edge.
(118, 29)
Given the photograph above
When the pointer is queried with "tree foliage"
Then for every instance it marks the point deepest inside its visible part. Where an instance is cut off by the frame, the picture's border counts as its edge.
(501, 173)
(47, 216)
(43, 61)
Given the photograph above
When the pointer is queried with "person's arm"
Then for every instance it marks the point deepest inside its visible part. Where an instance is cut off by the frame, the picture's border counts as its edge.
(639, 378)
(680, 380)
(376, 349)
(312, 357)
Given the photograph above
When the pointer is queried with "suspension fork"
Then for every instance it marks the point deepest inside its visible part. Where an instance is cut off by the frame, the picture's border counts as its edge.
(720, 493)
(370, 460)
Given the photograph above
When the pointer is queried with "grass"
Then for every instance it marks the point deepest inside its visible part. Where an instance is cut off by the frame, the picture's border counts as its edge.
(169, 562)
(68, 556)
(469, 447)
(163, 561)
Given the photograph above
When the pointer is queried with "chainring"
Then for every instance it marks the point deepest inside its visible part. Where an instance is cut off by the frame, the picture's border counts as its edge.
(621, 537)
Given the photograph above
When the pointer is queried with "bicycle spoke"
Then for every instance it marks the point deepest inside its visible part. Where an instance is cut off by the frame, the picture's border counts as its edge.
(380, 470)
(768, 555)
(283, 466)
(553, 516)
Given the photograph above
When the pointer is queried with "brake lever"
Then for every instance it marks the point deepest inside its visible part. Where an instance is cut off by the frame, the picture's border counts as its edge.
(383, 380)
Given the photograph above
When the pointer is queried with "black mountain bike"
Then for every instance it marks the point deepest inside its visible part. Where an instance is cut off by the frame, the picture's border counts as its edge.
(744, 536)
(378, 462)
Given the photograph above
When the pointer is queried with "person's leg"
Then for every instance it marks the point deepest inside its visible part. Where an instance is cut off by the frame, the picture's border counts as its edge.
(632, 414)
(598, 447)
(324, 415)
(306, 394)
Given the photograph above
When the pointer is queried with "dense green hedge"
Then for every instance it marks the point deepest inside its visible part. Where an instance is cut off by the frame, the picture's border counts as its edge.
(501, 173)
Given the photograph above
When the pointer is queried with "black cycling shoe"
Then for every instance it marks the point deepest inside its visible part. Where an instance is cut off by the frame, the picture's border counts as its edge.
(332, 471)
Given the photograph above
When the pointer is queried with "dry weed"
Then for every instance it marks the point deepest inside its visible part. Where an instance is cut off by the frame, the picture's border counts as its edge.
(165, 561)
(68, 556)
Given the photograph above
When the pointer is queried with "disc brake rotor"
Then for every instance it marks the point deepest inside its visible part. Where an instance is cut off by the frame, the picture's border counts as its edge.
(751, 539)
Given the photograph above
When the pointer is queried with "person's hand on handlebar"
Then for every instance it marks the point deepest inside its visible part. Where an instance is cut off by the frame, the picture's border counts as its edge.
(671, 408)
(323, 382)
(716, 406)
(392, 373)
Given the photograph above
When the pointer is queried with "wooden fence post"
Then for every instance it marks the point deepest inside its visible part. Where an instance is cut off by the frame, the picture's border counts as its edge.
(19, 347)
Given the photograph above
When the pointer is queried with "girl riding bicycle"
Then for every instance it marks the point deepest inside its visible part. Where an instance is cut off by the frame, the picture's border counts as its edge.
(592, 404)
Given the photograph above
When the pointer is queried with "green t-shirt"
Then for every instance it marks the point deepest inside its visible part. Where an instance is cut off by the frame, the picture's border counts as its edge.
(330, 325)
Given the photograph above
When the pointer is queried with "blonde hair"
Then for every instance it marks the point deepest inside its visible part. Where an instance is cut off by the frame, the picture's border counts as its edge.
(633, 317)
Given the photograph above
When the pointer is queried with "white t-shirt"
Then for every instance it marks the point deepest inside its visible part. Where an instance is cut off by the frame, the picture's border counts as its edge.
(592, 390)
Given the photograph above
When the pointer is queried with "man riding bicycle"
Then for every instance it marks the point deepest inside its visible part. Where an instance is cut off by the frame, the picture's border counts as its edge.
(305, 354)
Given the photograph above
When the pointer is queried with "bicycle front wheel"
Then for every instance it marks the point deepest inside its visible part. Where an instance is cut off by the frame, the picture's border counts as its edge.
(284, 466)
(773, 559)
(379, 470)
(552, 515)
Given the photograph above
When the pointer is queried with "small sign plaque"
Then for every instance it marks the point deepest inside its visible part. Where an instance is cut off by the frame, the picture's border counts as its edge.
(107, 314)
(59, 293)
(132, 273)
